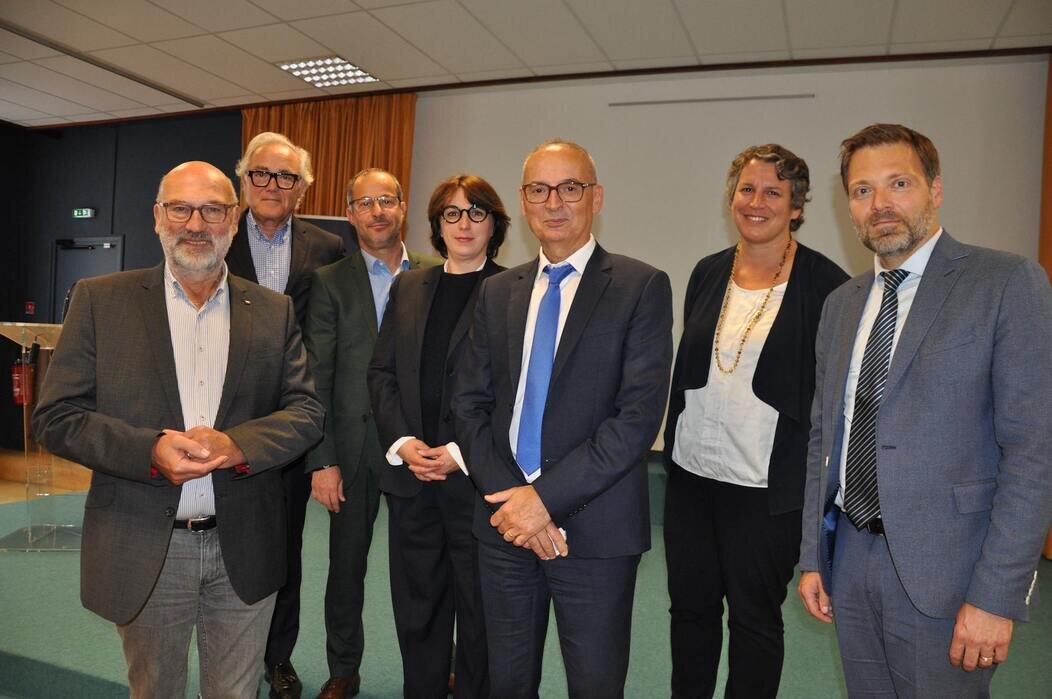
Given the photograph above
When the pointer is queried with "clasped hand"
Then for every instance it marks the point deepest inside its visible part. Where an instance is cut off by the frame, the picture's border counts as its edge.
(523, 520)
(183, 456)
(427, 463)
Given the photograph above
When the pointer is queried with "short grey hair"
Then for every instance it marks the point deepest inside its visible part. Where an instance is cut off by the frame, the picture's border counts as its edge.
(268, 138)
(371, 171)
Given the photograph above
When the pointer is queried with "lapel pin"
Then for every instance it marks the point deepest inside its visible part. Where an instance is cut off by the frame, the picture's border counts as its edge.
(247, 302)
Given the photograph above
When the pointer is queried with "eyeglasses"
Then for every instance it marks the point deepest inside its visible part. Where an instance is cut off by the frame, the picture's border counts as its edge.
(364, 205)
(569, 191)
(262, 178)
(452, 214)
(178, 212)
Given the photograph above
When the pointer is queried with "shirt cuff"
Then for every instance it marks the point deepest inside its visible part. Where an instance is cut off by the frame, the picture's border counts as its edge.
(392, 454)
(454, 451)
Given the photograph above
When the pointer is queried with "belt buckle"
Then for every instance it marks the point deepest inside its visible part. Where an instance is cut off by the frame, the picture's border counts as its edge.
(197, 520)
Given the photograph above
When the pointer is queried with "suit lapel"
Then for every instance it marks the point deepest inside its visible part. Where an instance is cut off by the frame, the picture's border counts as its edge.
(240, 303)
(593, 283)
(844, 343)
(943, 270)
(464, 322)
(300, 249)
(240, 256)
(359, 280)
(154, 313)
(518, 310)
(422, 305)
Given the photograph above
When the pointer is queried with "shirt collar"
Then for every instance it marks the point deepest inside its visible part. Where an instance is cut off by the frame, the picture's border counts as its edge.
(915, 263)
(445, 266)
(279, 236)
(176, 289)
(578, 260)
(376, 266)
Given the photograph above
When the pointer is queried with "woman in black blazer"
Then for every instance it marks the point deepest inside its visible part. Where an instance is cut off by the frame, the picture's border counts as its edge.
(433, 556)
(737, 429)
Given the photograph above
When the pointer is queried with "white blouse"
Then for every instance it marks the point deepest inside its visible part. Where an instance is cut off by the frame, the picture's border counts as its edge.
(725, 432)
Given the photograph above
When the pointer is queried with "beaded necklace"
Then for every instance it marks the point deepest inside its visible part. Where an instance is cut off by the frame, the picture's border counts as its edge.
(756, 316)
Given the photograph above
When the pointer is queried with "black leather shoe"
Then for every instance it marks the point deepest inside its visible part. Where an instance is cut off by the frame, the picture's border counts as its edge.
(341, 687)
(284, 682)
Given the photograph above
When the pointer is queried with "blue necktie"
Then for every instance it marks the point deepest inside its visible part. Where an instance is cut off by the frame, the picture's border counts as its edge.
(861, 499)
(539, 373)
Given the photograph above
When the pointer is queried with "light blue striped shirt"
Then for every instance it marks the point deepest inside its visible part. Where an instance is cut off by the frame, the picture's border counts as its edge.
(271, 258)
(200, 343)
(381, 279)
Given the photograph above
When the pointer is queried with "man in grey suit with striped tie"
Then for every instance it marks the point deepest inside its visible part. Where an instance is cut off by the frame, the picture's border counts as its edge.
(929, 486)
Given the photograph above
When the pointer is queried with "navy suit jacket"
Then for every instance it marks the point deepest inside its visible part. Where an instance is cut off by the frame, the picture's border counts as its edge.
(963, 434)
(605, 401)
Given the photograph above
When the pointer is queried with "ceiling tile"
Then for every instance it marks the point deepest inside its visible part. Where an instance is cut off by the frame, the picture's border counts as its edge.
(306, 93)
(169, 71)
(668, 62)
(89, 116)
(136, 18)
(371, 4)
(9, 111)
(630, 29)
(928, 21)
(38, 77)
(352, 89)
(1016, 42)
(235, 100)
(840, 52)
(35, 99)
(541, 33)
(93, 75)
(141, 111)
(44, 121)
(275, 42)
(1028, 17)
(364, 41)
(573, 68)
(423, 82)
(449, 35)
(821, 23)
(220, 16)
(22, 47)
(8, 58)
(505, 74)
(61, 24)
(748, 57)
(941, 46)
(734, 26)
(302, 9)
(228, 61)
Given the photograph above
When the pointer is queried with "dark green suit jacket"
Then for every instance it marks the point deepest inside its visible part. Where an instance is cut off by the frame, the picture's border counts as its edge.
(340, 332)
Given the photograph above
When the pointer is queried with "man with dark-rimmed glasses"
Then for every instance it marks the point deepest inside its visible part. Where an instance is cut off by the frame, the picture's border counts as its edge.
(280, 251)
(347, 302)
(185, 390)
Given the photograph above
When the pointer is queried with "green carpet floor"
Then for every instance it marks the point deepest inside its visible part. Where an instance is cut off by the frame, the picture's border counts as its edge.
(51, 647)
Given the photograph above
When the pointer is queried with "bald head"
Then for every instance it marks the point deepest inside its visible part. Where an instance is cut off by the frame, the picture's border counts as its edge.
(199, 175)
(568, 149)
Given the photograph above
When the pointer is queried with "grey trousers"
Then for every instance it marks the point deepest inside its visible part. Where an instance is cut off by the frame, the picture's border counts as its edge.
(194, 590)
(888, 648)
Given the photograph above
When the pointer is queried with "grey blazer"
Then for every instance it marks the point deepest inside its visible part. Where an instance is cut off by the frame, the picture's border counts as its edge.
(964, 432)
(111, 387)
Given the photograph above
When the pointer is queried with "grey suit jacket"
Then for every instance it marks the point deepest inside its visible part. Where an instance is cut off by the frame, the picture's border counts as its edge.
(605, 401)
(964, 431)
(111, 387)
(340, 333)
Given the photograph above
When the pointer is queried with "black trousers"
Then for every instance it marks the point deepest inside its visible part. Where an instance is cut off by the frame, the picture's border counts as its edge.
(350, 535)
(434, 582)
(285, 624)
(721, 542)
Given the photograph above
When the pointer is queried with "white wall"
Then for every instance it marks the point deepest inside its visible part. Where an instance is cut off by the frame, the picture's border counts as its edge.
(663, 165)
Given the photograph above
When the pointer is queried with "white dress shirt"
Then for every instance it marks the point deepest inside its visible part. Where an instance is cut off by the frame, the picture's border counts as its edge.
(725, 432)
(915, 264)
(200, 344)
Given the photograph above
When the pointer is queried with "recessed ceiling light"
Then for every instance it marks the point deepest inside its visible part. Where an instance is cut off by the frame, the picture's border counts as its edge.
(326, 71)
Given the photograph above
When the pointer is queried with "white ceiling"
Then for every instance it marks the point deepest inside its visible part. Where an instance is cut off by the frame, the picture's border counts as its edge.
(222, 52)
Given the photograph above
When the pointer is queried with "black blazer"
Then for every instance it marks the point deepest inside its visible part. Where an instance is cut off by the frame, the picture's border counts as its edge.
(785, 371)
(312, 247)
(394, 372)
(605, 401)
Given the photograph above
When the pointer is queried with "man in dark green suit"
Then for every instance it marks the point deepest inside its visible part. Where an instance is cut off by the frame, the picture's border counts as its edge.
(346, 304)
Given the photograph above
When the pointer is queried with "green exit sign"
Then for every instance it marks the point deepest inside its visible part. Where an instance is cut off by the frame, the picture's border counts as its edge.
(83, 213)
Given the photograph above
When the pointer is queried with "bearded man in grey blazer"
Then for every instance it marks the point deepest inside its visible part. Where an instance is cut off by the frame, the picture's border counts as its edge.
(185, 389)
(929, 486)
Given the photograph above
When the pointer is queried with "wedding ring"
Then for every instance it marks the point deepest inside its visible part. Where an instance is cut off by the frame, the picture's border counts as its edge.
(984, 659)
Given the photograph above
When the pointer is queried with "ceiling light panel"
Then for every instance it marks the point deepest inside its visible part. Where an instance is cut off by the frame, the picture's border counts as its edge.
(327, 71)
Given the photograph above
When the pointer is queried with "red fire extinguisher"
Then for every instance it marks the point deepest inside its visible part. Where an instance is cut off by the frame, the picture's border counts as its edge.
(16, 382)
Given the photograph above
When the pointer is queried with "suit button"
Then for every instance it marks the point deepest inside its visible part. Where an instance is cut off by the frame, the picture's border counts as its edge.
(170, 512)
(449, 372)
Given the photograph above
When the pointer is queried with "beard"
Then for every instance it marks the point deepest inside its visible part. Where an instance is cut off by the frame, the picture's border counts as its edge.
(887, 232)
(194, 261)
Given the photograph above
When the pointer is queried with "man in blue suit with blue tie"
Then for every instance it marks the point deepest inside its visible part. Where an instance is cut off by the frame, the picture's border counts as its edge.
(569, 365)
(929, 485)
